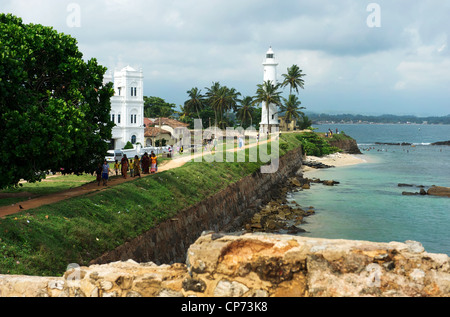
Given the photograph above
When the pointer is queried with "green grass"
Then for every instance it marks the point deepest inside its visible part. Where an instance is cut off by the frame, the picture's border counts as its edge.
(49, 186)
(43, 241)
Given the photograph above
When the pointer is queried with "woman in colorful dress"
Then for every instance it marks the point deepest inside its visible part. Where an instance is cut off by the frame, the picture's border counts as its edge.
(137, 166)
(154, 163)
(145, 163)
(124, 163)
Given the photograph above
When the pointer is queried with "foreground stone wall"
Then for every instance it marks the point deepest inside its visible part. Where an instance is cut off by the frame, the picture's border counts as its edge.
(259, 265)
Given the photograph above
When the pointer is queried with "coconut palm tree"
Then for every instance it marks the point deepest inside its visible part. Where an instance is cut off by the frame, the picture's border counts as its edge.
(195, 102)
(183, 114)
(267, 94)
(245, 110)
(233, 99)
(292, 108)
(222, 99)
(211, 95)
(294, 79)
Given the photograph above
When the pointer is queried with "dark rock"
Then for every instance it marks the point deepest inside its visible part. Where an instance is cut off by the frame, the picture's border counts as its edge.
(317, 165)
(196, 285)
(295, 230)
(330, 183)
(409, 194)
(386, 143)
(441, 143)
(410, 185)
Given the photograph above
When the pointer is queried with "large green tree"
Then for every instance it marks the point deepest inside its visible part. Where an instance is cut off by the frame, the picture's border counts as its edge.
(156, 107)
(54, 107)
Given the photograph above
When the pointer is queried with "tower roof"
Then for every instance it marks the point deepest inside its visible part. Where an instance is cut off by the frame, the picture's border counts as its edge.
(270, 58)
(270, 54)
(129, 69)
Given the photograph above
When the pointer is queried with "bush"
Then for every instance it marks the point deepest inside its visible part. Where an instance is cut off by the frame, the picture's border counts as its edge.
(128, 146)
(284, 146)
(314, 145)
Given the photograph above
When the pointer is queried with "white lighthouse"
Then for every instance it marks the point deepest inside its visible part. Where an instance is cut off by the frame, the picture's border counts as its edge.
(270, 73)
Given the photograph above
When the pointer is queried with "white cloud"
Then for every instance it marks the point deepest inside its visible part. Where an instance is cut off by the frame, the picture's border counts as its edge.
(185, 43)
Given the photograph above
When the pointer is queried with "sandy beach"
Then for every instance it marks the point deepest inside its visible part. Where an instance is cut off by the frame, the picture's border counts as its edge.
(336, 160)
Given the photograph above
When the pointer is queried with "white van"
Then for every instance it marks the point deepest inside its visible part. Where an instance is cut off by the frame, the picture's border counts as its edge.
(113, 155)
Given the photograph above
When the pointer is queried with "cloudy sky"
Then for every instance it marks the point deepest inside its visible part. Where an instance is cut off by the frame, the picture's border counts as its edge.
(393, 57)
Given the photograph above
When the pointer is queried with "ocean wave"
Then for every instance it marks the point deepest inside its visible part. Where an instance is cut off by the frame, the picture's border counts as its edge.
(425, 144)
(396, 144)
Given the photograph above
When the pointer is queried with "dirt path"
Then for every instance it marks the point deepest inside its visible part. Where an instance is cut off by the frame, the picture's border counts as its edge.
(92, 187)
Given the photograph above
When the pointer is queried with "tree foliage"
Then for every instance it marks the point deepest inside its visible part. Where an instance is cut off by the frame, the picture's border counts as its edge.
(268, 93)
(156, 107)
(195, 103)
(54, 107)
(223, 105)
(221, 99)
(294, 79)
(246, 111)
(292, 108)
(315, 145)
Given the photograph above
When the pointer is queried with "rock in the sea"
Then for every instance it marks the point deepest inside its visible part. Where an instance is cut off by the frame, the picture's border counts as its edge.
(405, 185)
(439, 191)
(330, 183)
(409, 194)
(388, 143)
(441, 143)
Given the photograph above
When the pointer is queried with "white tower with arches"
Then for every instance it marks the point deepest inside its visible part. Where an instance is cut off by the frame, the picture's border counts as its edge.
(270, 73)
(127, 107)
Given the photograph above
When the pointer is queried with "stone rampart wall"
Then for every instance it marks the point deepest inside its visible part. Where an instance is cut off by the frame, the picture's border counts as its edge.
(227, 210)
(260, 265)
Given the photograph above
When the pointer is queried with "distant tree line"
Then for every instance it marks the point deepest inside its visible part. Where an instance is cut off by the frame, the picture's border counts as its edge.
(224, 106)
(387, 118)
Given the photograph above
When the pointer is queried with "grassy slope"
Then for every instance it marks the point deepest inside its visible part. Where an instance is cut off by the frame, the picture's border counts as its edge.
(44, 241)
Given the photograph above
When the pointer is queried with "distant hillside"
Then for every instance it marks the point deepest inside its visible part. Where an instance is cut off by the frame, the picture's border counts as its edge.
(386, 118)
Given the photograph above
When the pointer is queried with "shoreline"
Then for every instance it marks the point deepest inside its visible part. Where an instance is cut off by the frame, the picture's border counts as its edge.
(335, 160)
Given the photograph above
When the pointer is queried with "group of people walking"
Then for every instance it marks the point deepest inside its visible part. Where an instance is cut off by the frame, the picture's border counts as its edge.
(148, 164)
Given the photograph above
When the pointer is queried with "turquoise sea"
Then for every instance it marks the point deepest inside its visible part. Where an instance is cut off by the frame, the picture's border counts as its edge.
(368, 203)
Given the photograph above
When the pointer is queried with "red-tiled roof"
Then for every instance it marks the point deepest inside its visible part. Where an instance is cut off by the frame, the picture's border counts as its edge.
(154, 131)
(165, 121)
